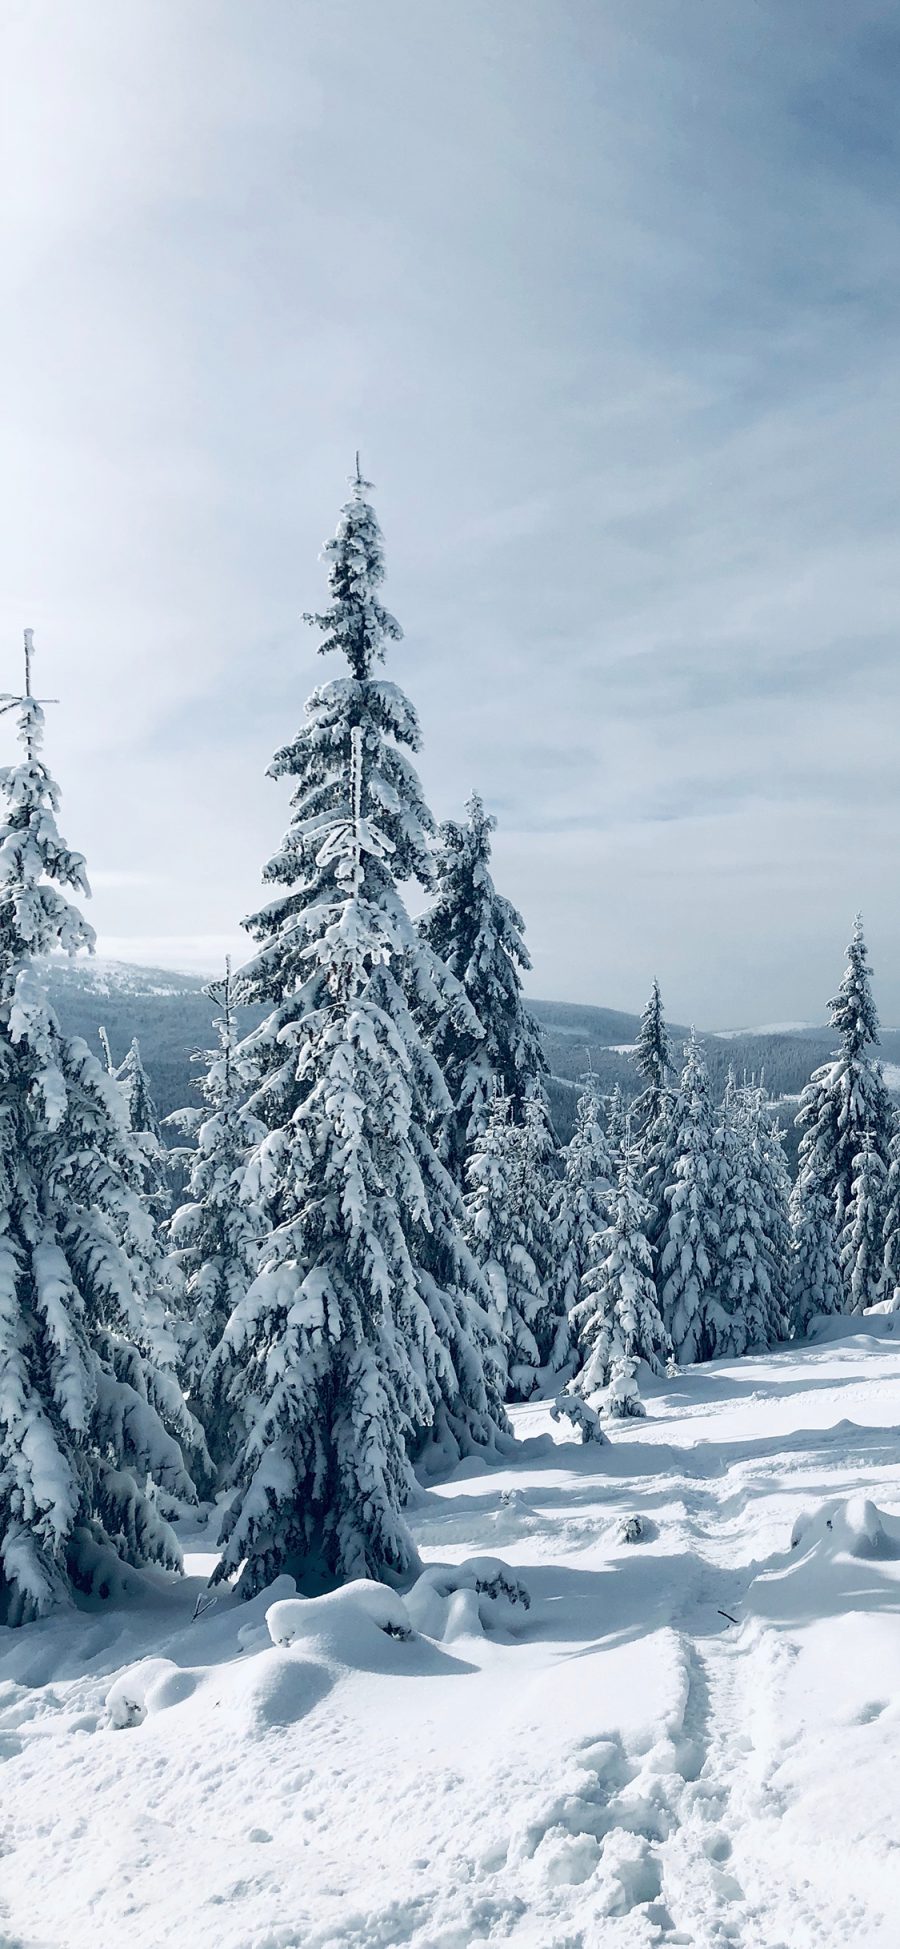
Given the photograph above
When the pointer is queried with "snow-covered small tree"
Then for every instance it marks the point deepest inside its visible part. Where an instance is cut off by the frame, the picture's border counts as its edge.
(134, 1084)
(846, 1100)
(816, 1285)
(215, 1236)
(654, 1063)
(81, 1440)
(499, 1233)
(143, 1119)
(479, 936)
(690, 1235)
(862, 1243)
(367, 1331)
(622, 1400)
(616, 1121)
(580, 1205)
(616, 1317)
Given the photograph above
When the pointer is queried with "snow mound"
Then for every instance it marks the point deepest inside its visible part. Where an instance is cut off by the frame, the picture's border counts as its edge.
(886, 1308)
(853, 1528)
(844, 1556)
(853, 1329)
(274, 1691)
(447, 1601)
(467, 1599)
(151, 1686)
(344, 1624)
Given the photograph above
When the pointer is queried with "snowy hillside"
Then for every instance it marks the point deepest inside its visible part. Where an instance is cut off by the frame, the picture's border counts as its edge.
(171, 1016)
(687, 1738)
(110, 980)
(167, 1011)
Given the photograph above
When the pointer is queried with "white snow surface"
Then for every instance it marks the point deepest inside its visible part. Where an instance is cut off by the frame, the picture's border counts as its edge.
(613, 1762)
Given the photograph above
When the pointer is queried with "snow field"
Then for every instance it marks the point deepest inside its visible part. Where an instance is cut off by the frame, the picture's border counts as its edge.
(616, 1764)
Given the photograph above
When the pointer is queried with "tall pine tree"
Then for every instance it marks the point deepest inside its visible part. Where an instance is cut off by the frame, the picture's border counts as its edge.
(80, 1436)
(654, 1063)
(367, 1330)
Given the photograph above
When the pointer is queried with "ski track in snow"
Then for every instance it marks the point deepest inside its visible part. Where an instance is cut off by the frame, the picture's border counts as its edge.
(619, 1766)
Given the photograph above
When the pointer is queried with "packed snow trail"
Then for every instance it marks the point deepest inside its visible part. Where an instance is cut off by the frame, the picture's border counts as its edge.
(620, 1764)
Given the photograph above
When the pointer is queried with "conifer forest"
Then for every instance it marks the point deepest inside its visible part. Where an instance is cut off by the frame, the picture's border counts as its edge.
(378, 1241)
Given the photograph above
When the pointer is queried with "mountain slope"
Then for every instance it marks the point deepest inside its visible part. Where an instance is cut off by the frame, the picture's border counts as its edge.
(169, 1013)
(172, 1018)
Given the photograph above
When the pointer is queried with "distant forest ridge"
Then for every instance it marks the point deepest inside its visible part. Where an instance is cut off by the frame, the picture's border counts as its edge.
(172, 1018)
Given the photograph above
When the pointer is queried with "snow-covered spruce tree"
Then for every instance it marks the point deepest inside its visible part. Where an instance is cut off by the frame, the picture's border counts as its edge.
(616, 1317)
(690, 1235)
(330, 1339)
(654, 1063)
(651, 1116)
(845, 1099)
(749, 1315)
(616, 1119)
(80, 1437)
(163, 1329)
(215, 1236)
(891, 1228)
(367, 1330)
(862, 1243)
(655, 1150)
(512, 1234)
(738, 1263)
(498, 1231)
(143, 1118)
(815, 1279)
(581, 1200)
(479, 935)
(776, 1188)
(539, 1180)
(139, 1228)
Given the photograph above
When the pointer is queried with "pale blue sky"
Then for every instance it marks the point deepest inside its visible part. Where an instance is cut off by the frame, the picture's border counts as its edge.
(607, 295)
